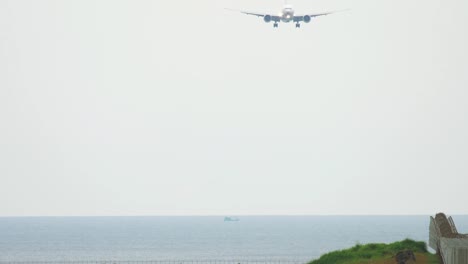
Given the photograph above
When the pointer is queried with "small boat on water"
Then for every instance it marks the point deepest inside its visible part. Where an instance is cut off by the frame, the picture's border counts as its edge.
(231, 219)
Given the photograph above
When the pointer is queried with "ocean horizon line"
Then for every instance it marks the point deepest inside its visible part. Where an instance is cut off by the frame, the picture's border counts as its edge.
(224, 215)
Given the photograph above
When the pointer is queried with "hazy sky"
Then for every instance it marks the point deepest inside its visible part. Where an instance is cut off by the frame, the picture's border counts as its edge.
(152, 107)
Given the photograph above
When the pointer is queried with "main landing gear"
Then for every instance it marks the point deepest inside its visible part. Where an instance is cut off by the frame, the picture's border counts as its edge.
(275, 25)
(298, 25)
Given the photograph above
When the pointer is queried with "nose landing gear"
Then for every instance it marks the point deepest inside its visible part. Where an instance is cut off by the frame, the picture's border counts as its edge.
(298, 25)
(275, 25)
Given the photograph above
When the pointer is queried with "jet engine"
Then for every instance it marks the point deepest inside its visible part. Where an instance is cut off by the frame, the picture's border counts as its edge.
(307, 19)
(267, 18)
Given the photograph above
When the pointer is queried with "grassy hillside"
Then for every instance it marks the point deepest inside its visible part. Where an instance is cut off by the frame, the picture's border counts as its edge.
(378, 254)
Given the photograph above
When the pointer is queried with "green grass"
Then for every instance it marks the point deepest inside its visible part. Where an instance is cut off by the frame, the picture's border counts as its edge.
(370, 252)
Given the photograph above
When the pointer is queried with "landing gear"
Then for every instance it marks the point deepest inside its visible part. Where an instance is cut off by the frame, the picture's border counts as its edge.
(275, 25)
(298, 25)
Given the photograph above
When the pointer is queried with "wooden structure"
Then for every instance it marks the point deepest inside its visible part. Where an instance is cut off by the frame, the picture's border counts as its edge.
(445, 239)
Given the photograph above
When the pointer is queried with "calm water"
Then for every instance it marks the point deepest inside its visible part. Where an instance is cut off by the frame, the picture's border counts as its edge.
(200, 238)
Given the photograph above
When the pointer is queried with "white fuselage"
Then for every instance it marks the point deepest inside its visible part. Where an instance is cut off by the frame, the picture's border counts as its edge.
(287, 14)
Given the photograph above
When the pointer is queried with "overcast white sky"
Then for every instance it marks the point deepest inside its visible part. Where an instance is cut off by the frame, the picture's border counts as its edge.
(151, 107)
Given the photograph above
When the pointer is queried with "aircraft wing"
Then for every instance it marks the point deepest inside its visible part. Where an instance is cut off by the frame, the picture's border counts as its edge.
(308, 16)
(274, 18)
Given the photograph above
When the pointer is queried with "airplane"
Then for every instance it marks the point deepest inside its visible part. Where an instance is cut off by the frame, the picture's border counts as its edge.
(286, 15)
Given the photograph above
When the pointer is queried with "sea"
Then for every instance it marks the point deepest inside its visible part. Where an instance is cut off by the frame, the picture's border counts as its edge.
(252, 238)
